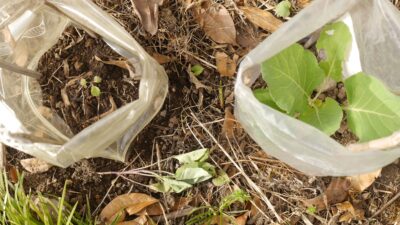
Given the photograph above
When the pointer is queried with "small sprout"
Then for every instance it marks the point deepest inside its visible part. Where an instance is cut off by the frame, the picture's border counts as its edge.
(97, 79)
(95, 91)
(83, 82)
(283, 9)
(311, 210)
(197, 69)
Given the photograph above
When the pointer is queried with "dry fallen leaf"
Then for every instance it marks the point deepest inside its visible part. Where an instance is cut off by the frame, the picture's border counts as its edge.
(162, 59)
(361, 182)
(350, 213)
(229, 123)
(13, 174)
(136, 202)
(181, 203)
(147, 12)
(217, 23)
(151, 210)
(225, 65)
(302, 3)
(261, 18)
(336, 192)
(34, 165)
(242, 220)
(124, 64)
(141, 220)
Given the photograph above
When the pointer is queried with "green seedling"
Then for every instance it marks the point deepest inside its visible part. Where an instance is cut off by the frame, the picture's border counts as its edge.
(94, 90)
(295, 74)
(208, 213)
(283, 8)
(197, 69)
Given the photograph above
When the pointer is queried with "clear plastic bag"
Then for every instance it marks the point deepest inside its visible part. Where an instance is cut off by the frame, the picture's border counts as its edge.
(376, 49)
(28, 28)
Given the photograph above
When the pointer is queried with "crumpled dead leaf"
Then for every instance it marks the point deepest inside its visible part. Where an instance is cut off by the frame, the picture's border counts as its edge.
(147, 11)
(217, 23)
(336, 192)
(302, 3)
(124, 64)
(349, 212)
(141, 220)
(225, 65)
(361, 182)
(261, 18)
(136, 202)
(229, 123)
(242, 220)
(162, 59)
(34, 165)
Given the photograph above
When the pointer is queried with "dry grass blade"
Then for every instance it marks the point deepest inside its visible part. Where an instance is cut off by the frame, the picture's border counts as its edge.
(217, 23)
(261, 18)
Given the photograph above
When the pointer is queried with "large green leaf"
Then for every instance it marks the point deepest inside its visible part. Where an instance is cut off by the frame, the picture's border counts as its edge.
(193, 156)
(292, 75)
(170, 184)
(334, 41)
(195, 172)
(373, 111)
(326, 117)
(264, 96)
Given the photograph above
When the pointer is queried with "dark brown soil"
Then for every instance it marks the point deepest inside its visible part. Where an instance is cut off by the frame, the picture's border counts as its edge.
(75, 57)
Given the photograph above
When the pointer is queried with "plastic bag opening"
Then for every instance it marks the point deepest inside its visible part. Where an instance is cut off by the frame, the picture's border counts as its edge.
(376, 31)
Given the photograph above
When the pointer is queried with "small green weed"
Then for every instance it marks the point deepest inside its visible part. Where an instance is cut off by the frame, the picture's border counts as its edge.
(18, 207)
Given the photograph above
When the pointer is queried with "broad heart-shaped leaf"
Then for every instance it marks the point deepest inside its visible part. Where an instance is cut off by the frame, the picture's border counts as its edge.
(327, 117)
(193, 156)
(170, 184)
(292, 75)
(373, 111)
(334, 41)
(264, 96)
(195, 172)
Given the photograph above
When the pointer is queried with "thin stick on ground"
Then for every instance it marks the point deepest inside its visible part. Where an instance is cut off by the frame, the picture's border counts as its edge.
(386, 205)
(250, 182)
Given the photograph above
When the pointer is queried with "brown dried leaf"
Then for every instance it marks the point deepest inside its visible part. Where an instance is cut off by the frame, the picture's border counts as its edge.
(217, 23)
(147, 11)
(261, 18)
(181, 203)
(34, 165)
(350, 213)
(225, 65)
(242, 220)
(162, 59)
(361, 182)
(151, 210)
(124, 64)
(135, 201)
(256, 210)
(141, 220)
(302, 3)
(229, 123)
(336, 192)
(13, 174)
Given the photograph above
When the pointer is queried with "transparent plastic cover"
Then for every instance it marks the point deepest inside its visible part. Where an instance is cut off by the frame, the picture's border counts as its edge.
(29, 28)
(376, 49)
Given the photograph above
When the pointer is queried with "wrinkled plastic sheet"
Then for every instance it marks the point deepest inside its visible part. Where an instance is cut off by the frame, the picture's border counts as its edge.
(375, 25)
(29, 28)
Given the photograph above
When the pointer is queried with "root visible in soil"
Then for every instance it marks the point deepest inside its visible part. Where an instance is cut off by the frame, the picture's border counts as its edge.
(75, 57)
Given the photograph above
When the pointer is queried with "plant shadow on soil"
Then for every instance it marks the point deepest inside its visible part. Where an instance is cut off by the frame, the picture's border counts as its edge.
(169, 133)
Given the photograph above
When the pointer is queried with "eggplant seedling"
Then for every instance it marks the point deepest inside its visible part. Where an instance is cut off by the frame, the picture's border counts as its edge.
(94, 90)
